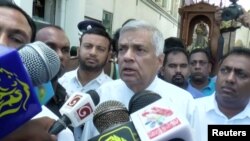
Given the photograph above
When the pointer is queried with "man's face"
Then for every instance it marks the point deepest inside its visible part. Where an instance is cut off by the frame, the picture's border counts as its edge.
(233, 81)
(138, 63)
(176, 69)
(200, 67)
(15, 30)
(93, 52)
(58, 41)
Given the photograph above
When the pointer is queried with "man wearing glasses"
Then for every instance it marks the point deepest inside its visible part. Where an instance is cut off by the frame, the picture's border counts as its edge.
(200, 69)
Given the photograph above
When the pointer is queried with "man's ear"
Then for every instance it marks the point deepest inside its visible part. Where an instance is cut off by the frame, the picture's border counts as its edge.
(160, 60)
(161, 71)
(210, 67)
(109, 56)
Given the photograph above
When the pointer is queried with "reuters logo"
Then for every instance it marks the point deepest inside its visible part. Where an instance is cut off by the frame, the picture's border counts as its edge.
(14, 93)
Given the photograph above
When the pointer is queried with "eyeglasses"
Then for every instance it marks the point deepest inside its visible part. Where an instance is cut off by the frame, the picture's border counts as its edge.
(201, 62)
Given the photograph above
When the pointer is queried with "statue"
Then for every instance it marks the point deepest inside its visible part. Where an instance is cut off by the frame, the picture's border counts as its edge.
(201, 39)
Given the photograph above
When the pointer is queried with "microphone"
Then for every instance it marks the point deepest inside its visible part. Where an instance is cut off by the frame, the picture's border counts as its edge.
(20, 70)
(142, 99)
(111, 119)
(41, 62)
(76, 110)
(18, 101)
(156, 120)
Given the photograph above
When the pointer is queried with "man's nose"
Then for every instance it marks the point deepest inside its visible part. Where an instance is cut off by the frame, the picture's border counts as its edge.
(129, 54)
(231, 77)
(4, 40)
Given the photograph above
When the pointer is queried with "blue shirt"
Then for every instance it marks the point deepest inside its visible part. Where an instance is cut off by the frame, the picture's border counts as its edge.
(206, 91)
(194, 92)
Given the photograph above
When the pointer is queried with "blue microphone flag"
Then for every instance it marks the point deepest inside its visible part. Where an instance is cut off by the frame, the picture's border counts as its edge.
(44, 92)
(18, 101)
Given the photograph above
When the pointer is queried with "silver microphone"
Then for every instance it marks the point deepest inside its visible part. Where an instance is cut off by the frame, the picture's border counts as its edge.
(42, 62)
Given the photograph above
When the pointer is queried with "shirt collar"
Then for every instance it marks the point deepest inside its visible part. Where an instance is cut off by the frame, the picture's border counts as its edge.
(99, 79)
(213, 106)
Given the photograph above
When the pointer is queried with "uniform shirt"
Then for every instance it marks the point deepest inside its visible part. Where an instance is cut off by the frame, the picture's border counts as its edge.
(64, 135)
(176, 97)
(210, 114)
(72, 84)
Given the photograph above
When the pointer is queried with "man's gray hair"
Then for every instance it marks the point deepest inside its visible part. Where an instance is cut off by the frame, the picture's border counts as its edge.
(157, 37)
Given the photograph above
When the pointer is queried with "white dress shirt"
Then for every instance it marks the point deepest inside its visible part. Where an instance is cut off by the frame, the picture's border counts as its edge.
(64, 135)
(210, 115)
(72, 84)
(117, 90)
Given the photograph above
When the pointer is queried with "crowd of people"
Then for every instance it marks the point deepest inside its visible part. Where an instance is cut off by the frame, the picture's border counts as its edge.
(143, 60)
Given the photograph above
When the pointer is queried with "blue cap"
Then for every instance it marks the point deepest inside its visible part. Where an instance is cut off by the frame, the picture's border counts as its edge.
(89, 24)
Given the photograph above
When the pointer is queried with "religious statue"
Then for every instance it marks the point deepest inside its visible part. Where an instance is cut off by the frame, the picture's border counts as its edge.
(200, 39)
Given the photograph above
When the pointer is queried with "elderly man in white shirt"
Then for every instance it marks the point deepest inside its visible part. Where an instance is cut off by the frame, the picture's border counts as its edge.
(230, 104)
(140, 58)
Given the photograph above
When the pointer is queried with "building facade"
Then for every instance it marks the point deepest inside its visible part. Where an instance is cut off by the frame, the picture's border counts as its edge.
(112, 13)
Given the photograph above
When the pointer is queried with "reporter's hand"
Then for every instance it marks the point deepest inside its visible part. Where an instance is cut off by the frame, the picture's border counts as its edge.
(33, 130)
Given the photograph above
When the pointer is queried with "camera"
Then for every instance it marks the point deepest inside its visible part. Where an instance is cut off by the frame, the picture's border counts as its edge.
(232, 12)
(229, 16)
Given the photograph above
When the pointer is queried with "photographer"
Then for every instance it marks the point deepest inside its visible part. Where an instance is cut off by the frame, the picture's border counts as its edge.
(228, 20)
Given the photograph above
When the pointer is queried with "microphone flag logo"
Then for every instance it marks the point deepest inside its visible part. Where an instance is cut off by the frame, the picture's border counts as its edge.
(158, 120)
(74, 100)
(14, 93)
(84, 111)
(18, 101)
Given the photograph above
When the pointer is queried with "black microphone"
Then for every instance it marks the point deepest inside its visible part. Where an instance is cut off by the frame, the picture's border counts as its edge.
(76, 110)
(111, 119)
(142, 99)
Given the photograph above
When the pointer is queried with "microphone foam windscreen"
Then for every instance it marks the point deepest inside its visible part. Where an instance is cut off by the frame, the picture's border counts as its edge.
(41, 62)
(141, 99)
(94, 95)
(110, 114)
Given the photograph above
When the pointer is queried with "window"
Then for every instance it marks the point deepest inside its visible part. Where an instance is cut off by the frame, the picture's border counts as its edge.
(167, 8)
(44, 10)
(107, 19)
(159, 2)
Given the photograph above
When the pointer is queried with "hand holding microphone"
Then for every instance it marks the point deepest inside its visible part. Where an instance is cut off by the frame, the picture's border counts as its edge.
(76, 111)
(33, 130)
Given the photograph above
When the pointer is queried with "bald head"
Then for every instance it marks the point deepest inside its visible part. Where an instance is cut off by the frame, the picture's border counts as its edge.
(56, 39)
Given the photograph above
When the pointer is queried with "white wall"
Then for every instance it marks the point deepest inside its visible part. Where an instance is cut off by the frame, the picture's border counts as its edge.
(126, 9)
(74, 13)
(70, 12)
(26, 5)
